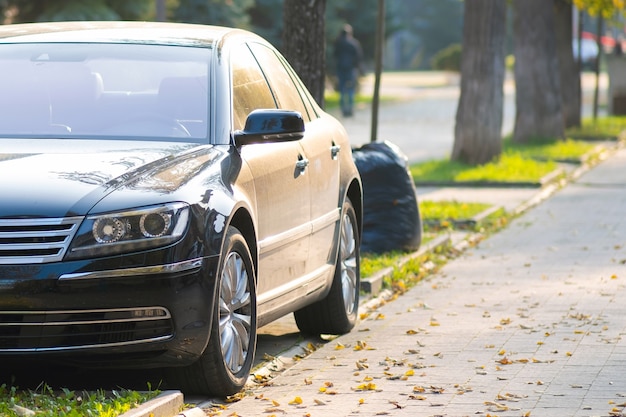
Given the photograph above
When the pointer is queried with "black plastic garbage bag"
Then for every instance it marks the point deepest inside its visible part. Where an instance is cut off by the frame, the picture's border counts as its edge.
(391, 216)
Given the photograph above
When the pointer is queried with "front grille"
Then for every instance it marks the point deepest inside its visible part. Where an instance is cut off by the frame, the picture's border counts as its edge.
(30, 241)
(32, 331)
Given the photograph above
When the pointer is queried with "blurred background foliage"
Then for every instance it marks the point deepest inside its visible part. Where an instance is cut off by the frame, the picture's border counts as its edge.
(420, 34)
(416, 30)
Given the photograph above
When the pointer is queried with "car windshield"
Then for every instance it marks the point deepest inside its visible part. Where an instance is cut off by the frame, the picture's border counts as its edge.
(103, 91)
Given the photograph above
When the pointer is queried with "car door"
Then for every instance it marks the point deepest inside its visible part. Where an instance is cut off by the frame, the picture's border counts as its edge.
(322, 146)
(282, 191)
(320, 152)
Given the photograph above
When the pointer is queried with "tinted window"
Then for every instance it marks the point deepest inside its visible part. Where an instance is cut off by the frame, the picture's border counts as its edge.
(103, 90)
(281, 82)
(304, 93)
(250, 89)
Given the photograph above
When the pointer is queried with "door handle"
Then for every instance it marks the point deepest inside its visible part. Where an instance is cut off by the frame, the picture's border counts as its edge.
(334, 151)
(302, 163)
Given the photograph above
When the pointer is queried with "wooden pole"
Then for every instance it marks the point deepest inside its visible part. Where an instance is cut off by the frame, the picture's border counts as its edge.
(380, 40)
(597, 68)
(160, 10)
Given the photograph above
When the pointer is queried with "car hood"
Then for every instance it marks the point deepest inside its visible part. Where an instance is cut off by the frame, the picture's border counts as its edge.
(58, 178)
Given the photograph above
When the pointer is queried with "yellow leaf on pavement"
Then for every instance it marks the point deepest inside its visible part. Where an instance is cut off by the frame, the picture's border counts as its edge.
(296, 401)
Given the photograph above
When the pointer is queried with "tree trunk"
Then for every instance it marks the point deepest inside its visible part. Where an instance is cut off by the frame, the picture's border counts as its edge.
(478, 129)
(568, 68)
(304, 43)
(537, 84)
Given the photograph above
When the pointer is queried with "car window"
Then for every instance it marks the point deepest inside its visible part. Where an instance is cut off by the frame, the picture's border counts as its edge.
(250, 89)
(104, 90)
(287, 94)
(304, 93)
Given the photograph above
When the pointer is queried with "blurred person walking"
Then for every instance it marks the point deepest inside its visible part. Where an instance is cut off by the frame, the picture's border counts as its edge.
(348, 55)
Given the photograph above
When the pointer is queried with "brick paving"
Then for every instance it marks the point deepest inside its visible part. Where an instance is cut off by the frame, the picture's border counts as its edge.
(530, 322)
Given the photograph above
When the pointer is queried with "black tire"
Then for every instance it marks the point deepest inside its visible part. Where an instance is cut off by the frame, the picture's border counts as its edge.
(337, 313)
(225, 365)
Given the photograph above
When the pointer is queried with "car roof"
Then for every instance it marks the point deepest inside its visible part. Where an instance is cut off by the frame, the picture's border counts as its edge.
(164, 33)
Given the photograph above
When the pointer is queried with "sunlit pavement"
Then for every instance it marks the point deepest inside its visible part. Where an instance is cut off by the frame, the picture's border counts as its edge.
(529, 322)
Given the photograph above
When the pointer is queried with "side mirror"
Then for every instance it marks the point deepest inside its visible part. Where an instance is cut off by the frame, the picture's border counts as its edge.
(271, 125)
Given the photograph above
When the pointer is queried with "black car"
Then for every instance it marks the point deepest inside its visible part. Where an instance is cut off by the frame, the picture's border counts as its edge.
(166, 190)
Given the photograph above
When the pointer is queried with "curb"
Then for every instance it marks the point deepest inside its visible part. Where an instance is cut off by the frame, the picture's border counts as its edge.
(166, 404)
(373, 284)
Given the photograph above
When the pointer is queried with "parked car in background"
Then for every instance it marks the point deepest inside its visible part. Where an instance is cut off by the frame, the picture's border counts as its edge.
(167, 189)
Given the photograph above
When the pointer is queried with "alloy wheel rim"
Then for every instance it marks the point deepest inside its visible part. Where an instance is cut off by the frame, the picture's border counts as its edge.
(348, 262)
(235, 313)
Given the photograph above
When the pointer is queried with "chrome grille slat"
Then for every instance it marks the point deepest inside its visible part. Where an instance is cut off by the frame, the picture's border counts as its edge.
(31, 331)
(27, 241)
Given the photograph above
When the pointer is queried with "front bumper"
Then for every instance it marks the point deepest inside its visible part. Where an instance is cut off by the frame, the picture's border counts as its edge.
(138, 316)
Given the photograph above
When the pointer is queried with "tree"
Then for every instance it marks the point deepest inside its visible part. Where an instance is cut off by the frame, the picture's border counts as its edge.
(603, 9)
(428, 27)
(232, 13)
(59, 10)
(478, 129)
(266, 19)
(606, 8)
(538, 88)
(304, 43)
(569, 72)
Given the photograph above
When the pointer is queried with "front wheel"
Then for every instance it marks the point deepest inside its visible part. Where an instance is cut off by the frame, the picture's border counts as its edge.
(337, 313)
(225, 365)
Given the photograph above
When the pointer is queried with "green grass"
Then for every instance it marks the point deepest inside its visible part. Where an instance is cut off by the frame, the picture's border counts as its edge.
(447, 210)
(331, 99)
(508, 168)
(372, 263)
(602, 128)
(569, 150)
(46, 402)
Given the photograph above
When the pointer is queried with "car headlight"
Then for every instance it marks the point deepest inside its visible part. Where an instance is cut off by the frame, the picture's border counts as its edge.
(129, 231)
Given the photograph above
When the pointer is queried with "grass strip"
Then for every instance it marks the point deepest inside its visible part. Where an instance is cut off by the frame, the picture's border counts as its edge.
(47, 402)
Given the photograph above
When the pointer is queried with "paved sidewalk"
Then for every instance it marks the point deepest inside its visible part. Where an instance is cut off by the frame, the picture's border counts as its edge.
(529, 323)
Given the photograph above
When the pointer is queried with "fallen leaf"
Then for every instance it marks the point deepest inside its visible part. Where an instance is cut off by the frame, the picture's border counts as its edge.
(370, 386)
(296, 401)
(274, 410)
(395, 404)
